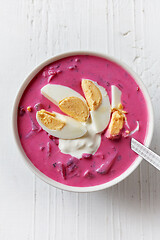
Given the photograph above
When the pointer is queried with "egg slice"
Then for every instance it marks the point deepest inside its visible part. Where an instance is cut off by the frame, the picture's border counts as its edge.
(56, 93)
(60, 126)
(75, 108)
(116, 96)
(69, 101)
(99, 104)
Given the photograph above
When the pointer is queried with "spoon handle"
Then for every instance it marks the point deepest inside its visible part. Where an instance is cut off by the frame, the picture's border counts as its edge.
(146, 153)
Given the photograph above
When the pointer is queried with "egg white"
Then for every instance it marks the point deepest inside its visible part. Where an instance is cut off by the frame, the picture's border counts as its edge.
(101, 116)
(71, 130)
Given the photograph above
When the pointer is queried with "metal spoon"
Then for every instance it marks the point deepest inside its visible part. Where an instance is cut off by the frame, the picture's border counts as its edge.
(146, 153)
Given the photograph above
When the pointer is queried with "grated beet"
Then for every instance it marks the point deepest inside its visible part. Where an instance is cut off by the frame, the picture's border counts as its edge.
(77, 60)
(59, 71)
(48, 149)
(86, 155)
(88, 174)
(50, 78)
(71, 161)
(62, 169)
(72, 67)
(72, 164)
(21, 111)
(52, 72)
(101, 155)
(105, 167)
(38, 106)
(42, 148)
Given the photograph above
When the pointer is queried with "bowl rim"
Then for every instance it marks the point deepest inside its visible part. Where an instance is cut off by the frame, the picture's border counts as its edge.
(62, 186)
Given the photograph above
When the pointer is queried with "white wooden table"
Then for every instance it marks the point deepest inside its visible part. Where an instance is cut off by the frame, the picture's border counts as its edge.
(30, 32)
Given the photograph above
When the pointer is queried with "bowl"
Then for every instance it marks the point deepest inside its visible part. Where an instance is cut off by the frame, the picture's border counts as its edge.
(52, 182)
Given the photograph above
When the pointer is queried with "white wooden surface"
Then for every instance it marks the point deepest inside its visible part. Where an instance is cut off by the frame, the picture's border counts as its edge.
(30, 32)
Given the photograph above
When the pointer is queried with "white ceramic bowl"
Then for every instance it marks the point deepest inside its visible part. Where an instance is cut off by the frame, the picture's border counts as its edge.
(50, 181)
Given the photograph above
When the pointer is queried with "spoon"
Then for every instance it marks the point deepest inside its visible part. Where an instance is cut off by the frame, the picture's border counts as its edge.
(145, 153)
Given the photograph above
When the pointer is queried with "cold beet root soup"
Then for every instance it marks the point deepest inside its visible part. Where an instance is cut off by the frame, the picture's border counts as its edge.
(76, 118)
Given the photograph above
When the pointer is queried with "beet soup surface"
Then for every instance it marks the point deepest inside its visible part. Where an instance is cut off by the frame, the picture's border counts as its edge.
(42, 149)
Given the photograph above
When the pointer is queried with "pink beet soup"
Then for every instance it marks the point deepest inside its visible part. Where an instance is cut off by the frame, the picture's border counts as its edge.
(42, 149)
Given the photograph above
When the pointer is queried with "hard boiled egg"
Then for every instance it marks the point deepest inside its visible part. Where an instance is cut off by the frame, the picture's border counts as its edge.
(56, 93)
(116, 96)
(60, 126)
(69, 101)
(99, 104)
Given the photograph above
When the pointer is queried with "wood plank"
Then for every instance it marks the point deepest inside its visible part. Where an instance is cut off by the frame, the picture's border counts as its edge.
(32, 31)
